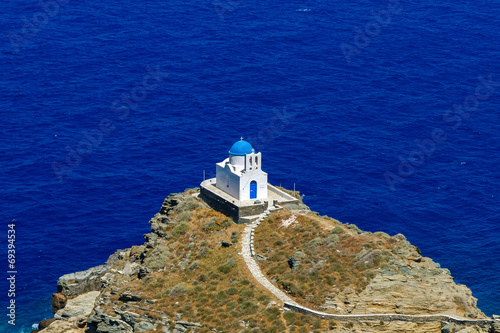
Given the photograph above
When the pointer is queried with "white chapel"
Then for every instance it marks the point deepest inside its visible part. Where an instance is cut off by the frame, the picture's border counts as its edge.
(240, 175)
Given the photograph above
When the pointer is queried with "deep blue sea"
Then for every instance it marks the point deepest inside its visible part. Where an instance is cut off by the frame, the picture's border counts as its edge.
(382, 113)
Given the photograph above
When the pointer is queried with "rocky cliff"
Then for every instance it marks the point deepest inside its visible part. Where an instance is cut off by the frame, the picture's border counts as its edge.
(189, 276)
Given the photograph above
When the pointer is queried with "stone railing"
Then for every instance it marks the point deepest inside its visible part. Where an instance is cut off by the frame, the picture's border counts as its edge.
(387, 317)
(248, 253)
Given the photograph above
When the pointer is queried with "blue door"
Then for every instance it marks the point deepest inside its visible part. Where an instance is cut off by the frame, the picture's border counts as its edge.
(253, 189)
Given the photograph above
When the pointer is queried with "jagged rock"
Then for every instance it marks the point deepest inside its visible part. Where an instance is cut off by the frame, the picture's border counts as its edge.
(63, 326)
(58, 301)
(143, 271)
(447, 328)
(128, 317)
(226, 243)
(407, 283)
(194, 265)
(118, 255)
(82, 282)
(143, 325)
(398, 289)
(295, 260)
(129, 268)
(78, 306)
(130, 297)
(45, 323)
(81, 322)
(272, 303)
(107, 279)
(100, 322)
(260, 257)
(150, 239)
(170, 202)
(136, 251)
(157, 228)
(297, 206)
(369, 256)
(182, 326)
(495, 327)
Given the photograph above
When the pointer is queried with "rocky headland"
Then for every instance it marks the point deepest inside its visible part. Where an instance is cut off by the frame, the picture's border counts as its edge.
(193, 274)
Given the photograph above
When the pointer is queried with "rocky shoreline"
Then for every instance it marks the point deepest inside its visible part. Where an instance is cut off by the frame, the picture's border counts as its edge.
(126, 293)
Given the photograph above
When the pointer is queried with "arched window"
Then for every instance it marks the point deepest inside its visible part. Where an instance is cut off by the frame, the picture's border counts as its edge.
(256, 160)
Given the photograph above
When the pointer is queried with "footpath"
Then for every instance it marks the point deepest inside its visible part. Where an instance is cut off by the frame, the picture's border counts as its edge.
(248, 253)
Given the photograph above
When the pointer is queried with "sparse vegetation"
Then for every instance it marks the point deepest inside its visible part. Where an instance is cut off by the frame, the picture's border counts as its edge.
(314, 258)
(180, 229)
(192, 277)
(157, 258)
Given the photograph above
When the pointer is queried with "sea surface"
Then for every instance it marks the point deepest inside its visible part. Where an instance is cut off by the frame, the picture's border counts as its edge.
(385, 114)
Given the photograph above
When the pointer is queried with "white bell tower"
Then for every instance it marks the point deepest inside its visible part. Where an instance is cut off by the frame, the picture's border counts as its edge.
(240, 175)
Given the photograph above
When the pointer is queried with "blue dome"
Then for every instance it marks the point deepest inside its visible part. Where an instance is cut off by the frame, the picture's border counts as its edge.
(241, 148)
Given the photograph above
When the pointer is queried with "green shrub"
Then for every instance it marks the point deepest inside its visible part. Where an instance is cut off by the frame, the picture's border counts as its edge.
(272, 313)
(157, 258)
(194, 265)
(184, 216)
(354, 228)
(232, 291)
(331, 240)
(210, 225)
(382, 234)
(227, 223)
(337, 230)
(263, 298)
(279, 242)
(221, 295)
(180, 229)
(246, 292)
(179, 289)
(292, 288)
(289, 316)
(315, 242)
(228, 266)
(231, 305)
(190, 203)
(248, 308)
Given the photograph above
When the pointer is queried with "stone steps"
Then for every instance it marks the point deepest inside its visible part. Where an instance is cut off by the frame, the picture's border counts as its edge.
(248, 253)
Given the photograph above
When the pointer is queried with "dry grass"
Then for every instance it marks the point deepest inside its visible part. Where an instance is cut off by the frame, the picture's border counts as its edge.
(201, 280)
(332, 256)
(210, 284)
